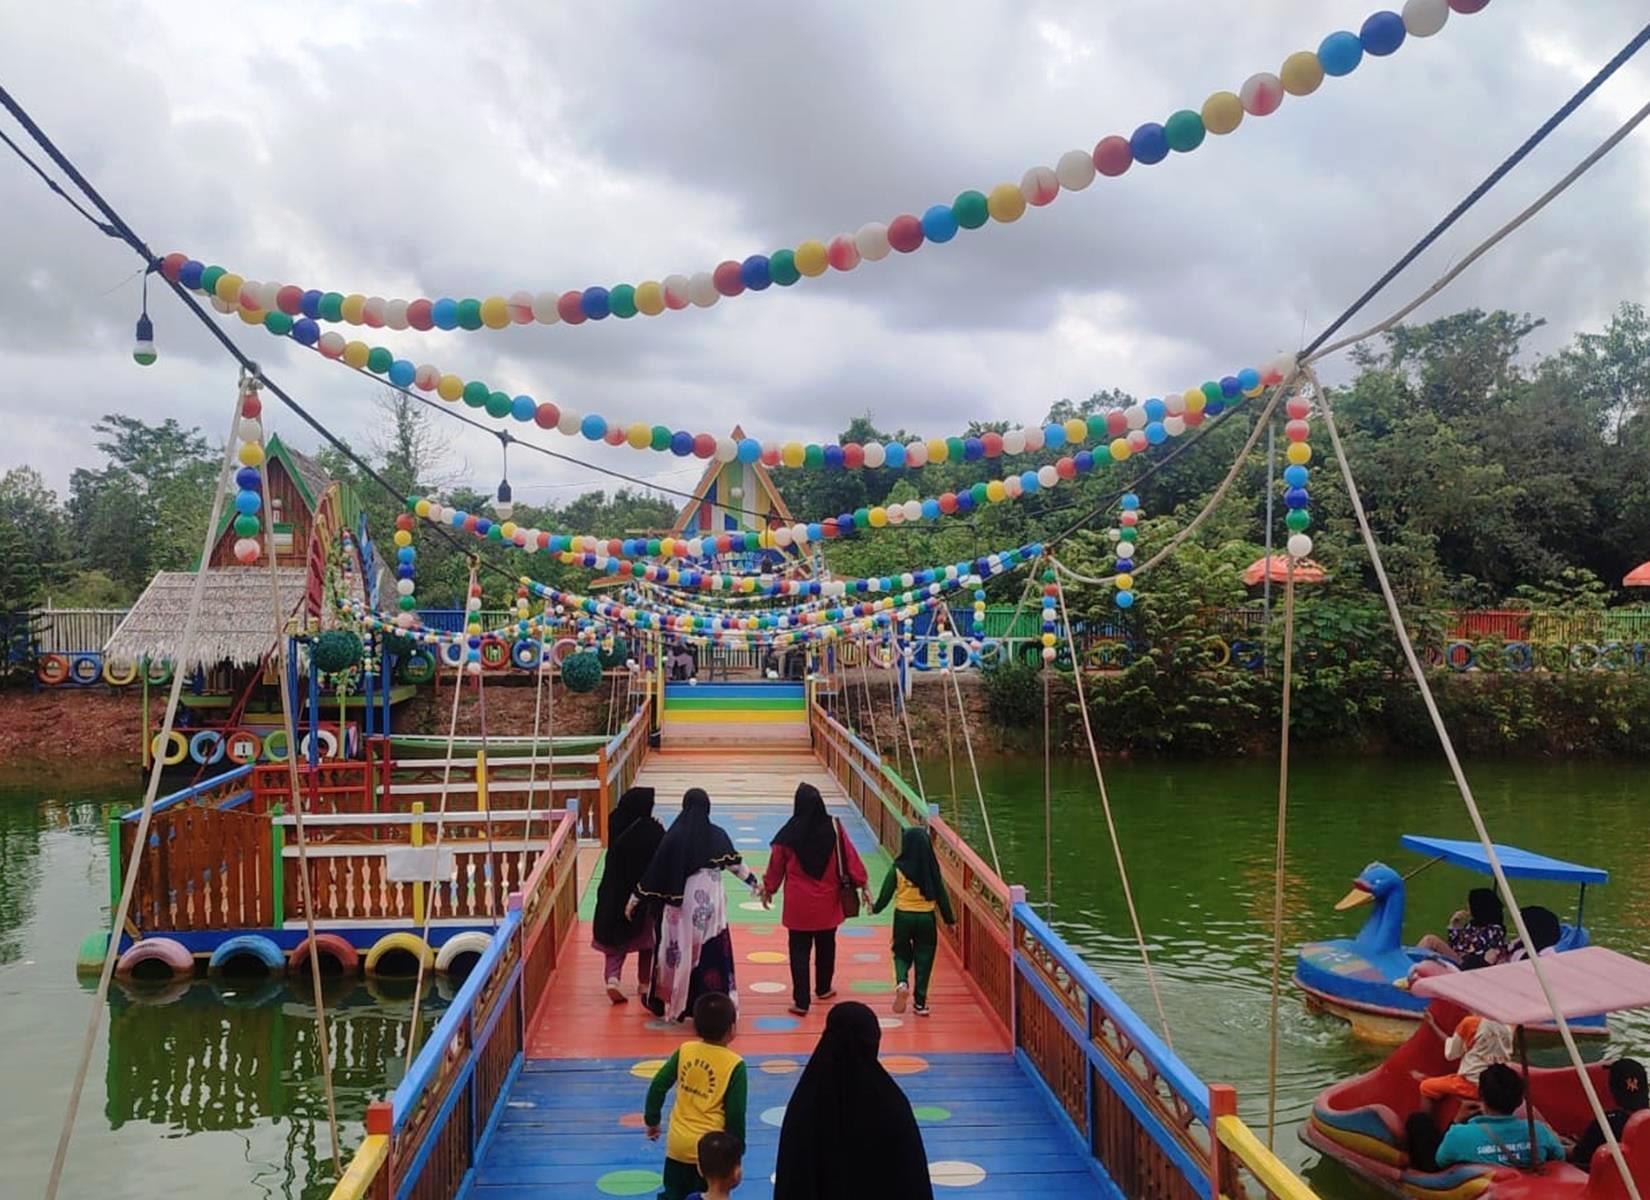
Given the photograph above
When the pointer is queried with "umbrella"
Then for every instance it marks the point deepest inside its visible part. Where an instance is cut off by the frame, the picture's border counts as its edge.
(1277, 569)
(1639, 576)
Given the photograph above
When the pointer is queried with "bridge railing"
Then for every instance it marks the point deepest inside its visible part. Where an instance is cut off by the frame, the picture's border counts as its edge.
(1156, 1128)
(618, 761)
(424, 1141)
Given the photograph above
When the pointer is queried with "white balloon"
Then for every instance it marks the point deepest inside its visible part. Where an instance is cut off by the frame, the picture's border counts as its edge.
(872, 240)
(907, 580)
(1114, 533)
(372, 312)
(916, 454)
(1135, 416)
(395, 314)
(404, 586)
(520, 305)
(1047, 475)
(1174, 404)
(875, 455)
(726, 450)
(568, 421)
(1013, 487)
(544, 308)
(1125, 549)
(799, 532)
(1034, 438)
(224, 306)
(1281, 365)
(1174, 426)
(1038, 181)
(913, 512)
(1014, 441)
(331, 343)
(702, 290)
(249, 430)
(1300, 545)
(896, 514)
(1075, 170)
(1423, 18)
(695, 548)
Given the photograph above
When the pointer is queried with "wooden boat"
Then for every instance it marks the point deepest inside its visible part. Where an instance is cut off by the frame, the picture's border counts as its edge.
(1361, 979)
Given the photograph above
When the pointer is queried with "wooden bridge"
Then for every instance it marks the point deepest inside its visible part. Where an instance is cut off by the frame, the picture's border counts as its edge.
(1032, 1078)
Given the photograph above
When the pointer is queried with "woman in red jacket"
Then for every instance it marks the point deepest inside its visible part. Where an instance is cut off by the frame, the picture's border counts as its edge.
(811, 858)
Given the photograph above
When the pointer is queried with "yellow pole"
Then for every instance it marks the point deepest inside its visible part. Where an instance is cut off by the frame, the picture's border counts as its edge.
(481, 781)
(418, 840)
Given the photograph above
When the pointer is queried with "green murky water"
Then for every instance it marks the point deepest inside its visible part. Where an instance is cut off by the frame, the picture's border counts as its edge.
(214, 1089)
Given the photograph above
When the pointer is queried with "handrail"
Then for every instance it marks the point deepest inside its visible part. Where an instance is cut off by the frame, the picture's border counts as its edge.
(1278, 1180)
(189, 793)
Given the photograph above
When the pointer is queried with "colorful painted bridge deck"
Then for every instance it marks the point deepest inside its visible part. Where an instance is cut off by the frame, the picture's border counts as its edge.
(749, 715)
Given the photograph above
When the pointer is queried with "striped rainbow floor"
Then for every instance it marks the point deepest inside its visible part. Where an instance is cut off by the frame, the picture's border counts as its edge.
(572, 1123)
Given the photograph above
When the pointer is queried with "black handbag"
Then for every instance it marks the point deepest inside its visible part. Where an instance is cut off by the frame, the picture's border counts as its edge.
(846, 891)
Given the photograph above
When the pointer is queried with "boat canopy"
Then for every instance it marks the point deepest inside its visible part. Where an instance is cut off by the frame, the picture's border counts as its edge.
(1585, 982)
(1518, 864)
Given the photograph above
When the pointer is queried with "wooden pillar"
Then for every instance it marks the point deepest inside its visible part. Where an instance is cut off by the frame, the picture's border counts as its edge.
(417, 838)
(1222, 1103)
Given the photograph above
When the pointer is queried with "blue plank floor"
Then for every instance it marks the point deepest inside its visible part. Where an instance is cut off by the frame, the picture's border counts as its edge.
(572, 1128)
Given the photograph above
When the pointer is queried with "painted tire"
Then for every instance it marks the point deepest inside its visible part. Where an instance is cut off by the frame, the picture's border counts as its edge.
(1216, 652)
(881, 656)
(494, 654)
(1555, 656)
(275, 745)
(86, 669)
(171, 953)
(561, 649)
(417, 667)
(452, 654)
(408, 942)
(329, 744)
(471, 941)
(248, 945)
(52, 669)
(1613, 656)
(206, 747)
(1251, 656)
(1458, 656)
(157, 672)
(1584, 656)
(1518, 656)
(850, 654)
(328, 946)
(525, 654)
(989, 655)
(1488, 656)
(119, 674)
(242, 746)
(176, 748)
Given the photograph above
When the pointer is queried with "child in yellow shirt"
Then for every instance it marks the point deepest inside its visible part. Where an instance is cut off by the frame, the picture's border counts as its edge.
(915, 888)
(710, 1094)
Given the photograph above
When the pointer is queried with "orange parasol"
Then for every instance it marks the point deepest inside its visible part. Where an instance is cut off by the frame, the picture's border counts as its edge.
(1277, 568)
(1639, 576)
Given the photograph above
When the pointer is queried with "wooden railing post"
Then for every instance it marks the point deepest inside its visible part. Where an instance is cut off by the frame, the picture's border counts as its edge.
(416, 838)
(381, 1123)
(601, 794)
(277, 867)
(1222, 1103)
(1016, 895)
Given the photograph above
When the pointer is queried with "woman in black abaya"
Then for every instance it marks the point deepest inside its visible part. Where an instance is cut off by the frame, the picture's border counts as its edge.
(633, 835)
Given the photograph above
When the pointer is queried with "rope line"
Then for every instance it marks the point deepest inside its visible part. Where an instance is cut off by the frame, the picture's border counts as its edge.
(973, 764)
(1278, 861)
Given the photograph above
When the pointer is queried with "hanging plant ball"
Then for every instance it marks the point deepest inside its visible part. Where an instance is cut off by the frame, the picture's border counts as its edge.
(581, 672)
(336, 650)
(616, 657)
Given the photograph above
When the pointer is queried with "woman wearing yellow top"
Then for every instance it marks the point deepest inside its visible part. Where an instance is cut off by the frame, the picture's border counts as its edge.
(915, 888)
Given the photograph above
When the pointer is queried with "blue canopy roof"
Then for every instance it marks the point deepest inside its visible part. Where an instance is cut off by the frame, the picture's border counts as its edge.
(1518, 864)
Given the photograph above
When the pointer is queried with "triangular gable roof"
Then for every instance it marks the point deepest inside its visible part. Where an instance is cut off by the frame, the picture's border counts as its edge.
(712, 470)
(306, 474)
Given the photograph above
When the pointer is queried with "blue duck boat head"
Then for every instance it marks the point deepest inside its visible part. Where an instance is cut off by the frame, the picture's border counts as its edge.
(1382, 933)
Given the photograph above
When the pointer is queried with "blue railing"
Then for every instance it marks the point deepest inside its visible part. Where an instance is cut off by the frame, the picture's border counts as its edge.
(233, 775)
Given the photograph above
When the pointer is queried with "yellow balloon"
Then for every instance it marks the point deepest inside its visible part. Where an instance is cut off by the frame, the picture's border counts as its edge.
(403, 537)
(355, 354)
(449, 387)
(495, 313)
(422, 508)
(228, 288)
(352, 307)
(1254, 391)
(938, 450)
(792, 454)
(1124, 580)
(996, 492)
(667, 546)
(650, 298)
(251, 454)
(1048, 639)
(507, 530)
(1077, 431)
(1301, 73)
(879, 516)
(1195, 399)
(251, 316)
(1006, 202)
(1119, 449)
(639, 436)
(1299, 453)
(811, 258)
(748, 584)
(1222, 112)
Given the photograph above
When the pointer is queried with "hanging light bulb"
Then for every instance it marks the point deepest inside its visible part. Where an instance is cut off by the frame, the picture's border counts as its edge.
(503, 505)
(143, 351)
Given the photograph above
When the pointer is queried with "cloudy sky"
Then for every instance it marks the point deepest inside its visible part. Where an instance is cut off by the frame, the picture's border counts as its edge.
(399, 149)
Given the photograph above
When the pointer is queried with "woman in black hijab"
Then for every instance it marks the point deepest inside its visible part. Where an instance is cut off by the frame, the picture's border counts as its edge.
(695, 949)
(849, 1130)
(810, 859)
(633, 834)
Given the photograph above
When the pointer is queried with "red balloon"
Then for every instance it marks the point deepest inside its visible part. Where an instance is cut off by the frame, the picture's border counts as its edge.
(251, 406)
(470, 523)
(290, 300)
(404, 521)
(546, 415)
(703, 445)
(615, 547)
(770, 456)
(625, 568)
(544, 541)
(170, 264)
(724, 543)
(1467, 7)
(905, 233)
(1128, 518)
(993, 444)
(614, 436)
(1298, 407)
(842, 254)
(570, 308)
(1116, 423)
(418, 315)
(727, 278)
(1066, 468)
(1192, 419)
(1112, 156)
(853, 455)
(1297, 431)
(948, 502)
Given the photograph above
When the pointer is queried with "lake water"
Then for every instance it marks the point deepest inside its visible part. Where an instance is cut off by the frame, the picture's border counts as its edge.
(214, 1090)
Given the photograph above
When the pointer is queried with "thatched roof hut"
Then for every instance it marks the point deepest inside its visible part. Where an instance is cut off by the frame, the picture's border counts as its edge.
(237, 621)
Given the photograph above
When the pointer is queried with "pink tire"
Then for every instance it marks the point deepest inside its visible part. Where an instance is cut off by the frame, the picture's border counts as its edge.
(330, 947)
(179, 963)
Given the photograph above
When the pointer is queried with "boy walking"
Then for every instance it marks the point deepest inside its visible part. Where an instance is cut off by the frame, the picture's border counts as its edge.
(720, 1156)
(710, 1095)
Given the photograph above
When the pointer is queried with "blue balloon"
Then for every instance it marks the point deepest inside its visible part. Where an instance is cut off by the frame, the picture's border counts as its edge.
(1230, 387)
(594, 426)
(749, 450)
(1156, 410)
(833, 457)
(247, 477)
(1155, 433)
(816, 531)
(965, 501)
(844, 523)
(444, 313)
(1149, 144)
(404, 571)
(594, 303)
(1382, 33)
(973, 449)
(1340, 53)
(1125, 599)
(1084, 461)
(483, 525)
(1214, 408)
(248, 502)
(305, 332)
(755, 272)
(310, 303)
(1125, 565)
(894, 454)
(1130, 502)
(522, 408)
(405, 554)
(457, 519)
(930, 510)
(1054, 437)
(938, 225)
(1029, 482)
(1248, 379)
(1295, 476)
(401, 373)
(1297, 498)
(681, 443)
(190, 275)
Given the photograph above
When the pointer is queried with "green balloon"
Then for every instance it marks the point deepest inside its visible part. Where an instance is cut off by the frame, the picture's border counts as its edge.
(661, 437)
(379, 360)
(862, 518)
(621, 300)
(495, 532)
(406, 603)
(1097, 428)
(1184, 131)
(954, 449)
(1211, 391)
(209, 279)
(469, 314)
(277, 322)
(653, 545)
(246, 525)
(979, 493)
(498, 405)
(782, 267)
(813, 456)
(1299, 520)
(476, 393)
(332, 306)
(969, 209)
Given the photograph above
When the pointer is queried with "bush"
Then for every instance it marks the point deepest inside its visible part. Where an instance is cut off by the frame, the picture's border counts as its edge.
(1014, 695)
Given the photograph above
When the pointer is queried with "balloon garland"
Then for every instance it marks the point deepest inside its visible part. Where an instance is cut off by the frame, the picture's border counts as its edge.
(1301, 74)
(249, 477)
(1296, 499)
(1128, 522)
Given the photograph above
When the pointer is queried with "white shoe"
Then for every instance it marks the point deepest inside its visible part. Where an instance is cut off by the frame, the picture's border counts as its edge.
(901, 994)
(615, 993)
